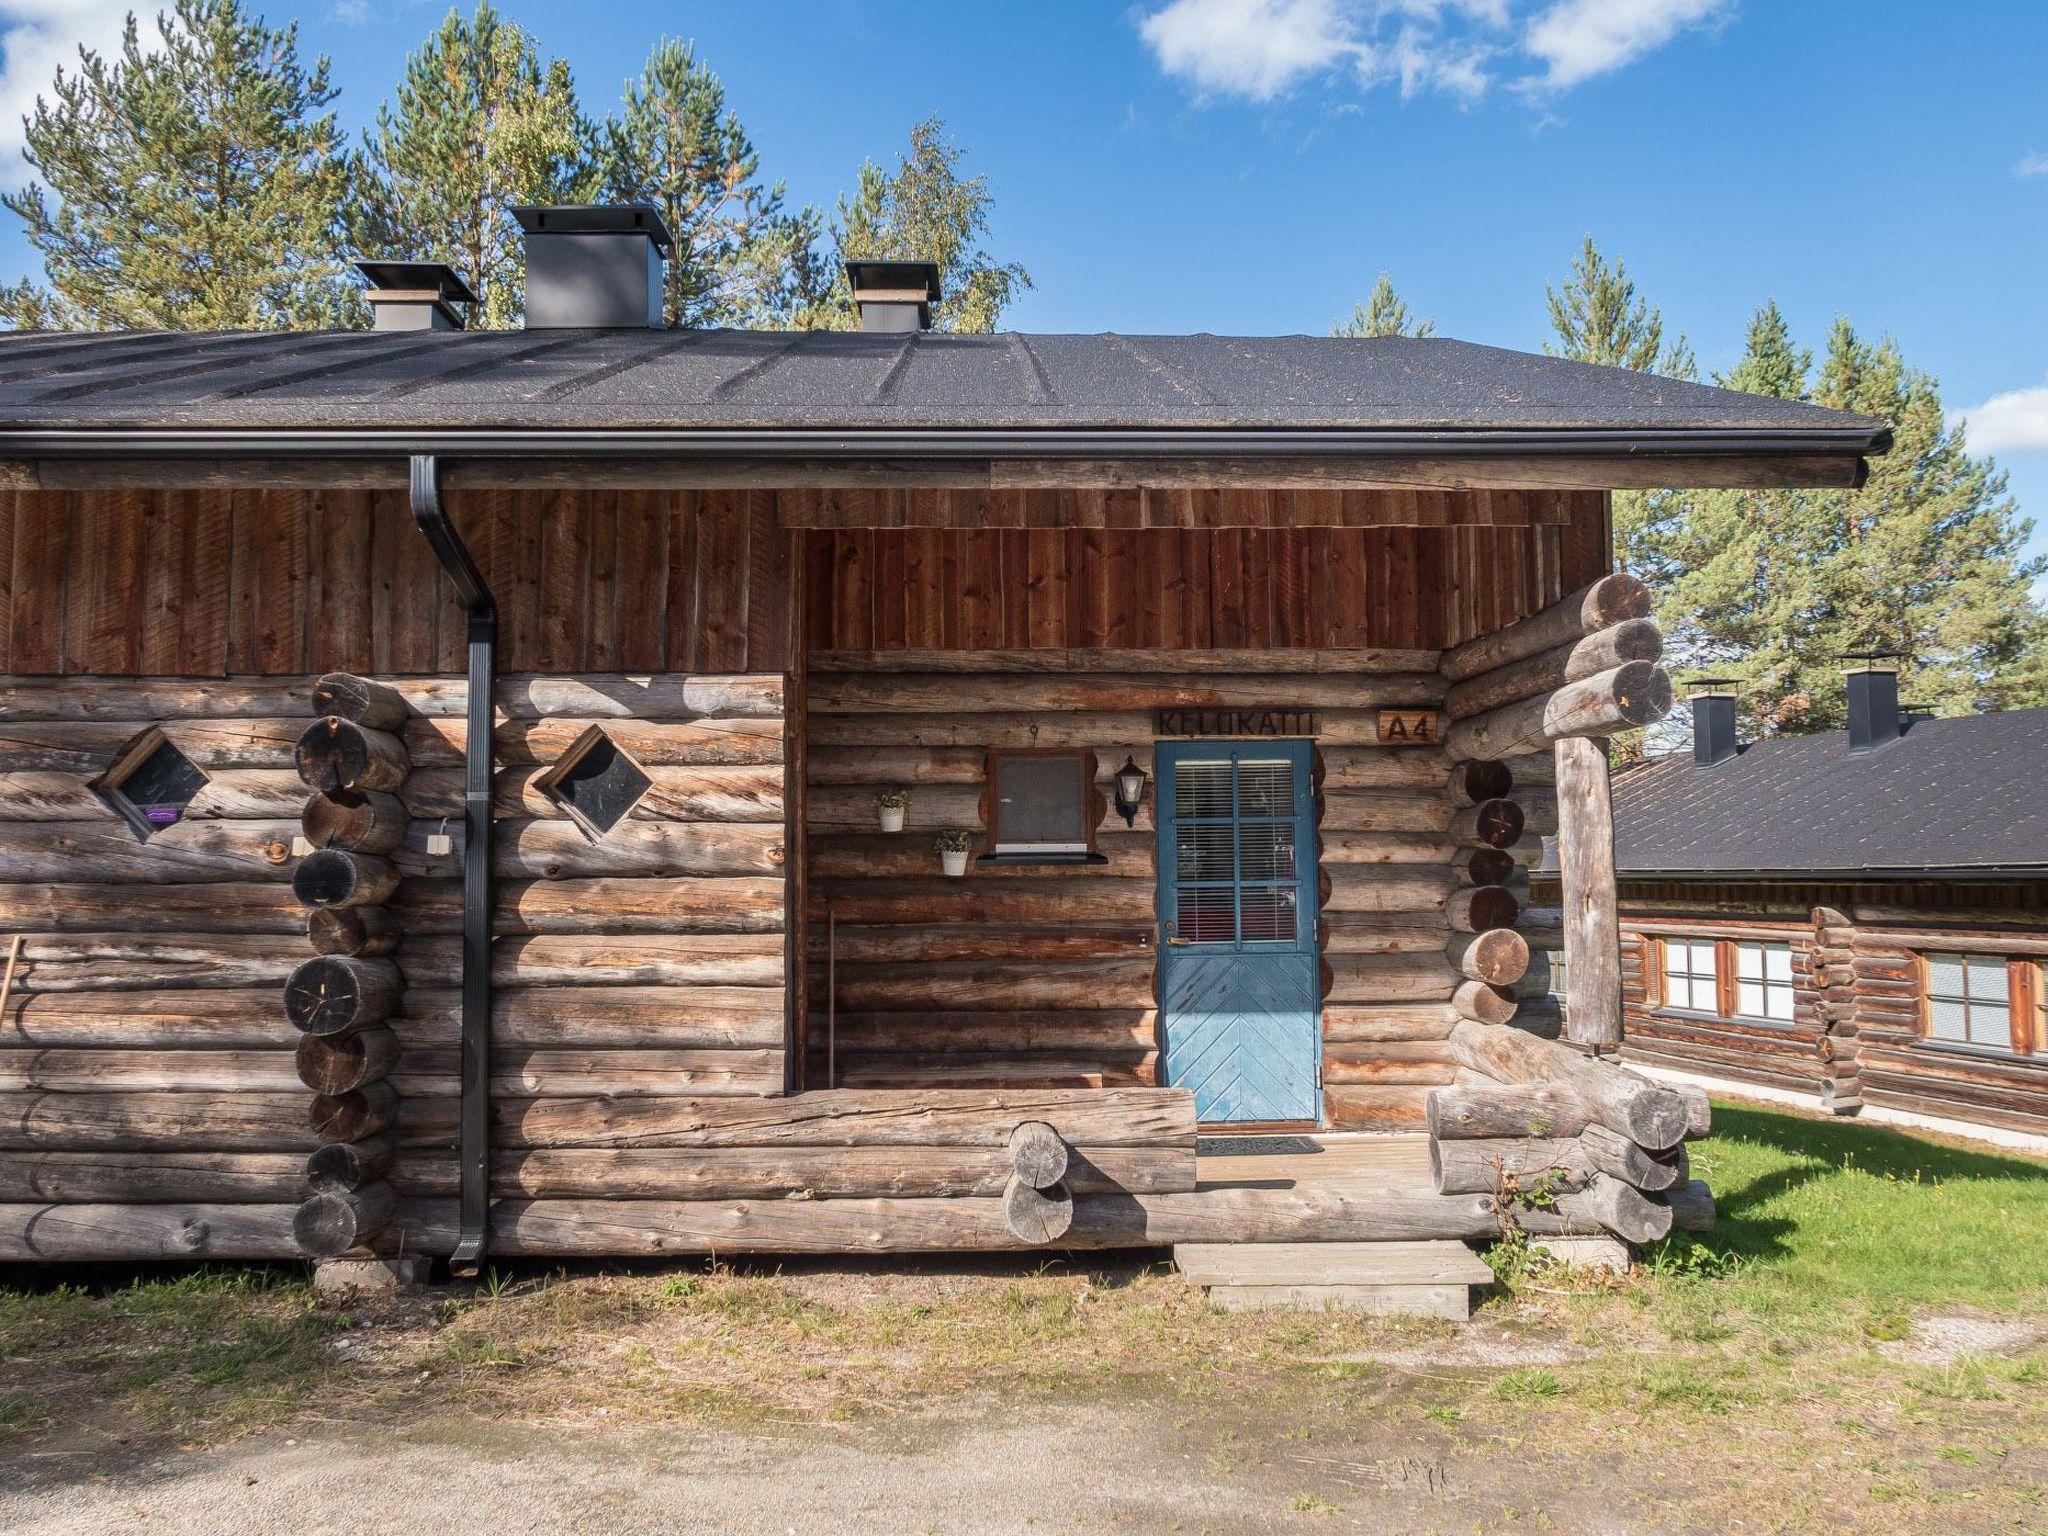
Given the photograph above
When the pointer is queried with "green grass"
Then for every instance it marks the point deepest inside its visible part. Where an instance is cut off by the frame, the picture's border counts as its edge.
(1820, 1214)
(203, 1348)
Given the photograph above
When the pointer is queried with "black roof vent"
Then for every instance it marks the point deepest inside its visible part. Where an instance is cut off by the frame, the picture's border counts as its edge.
(597, 267)
(415, 295)
(894, 295)
(1713, 721)
(1873, 687)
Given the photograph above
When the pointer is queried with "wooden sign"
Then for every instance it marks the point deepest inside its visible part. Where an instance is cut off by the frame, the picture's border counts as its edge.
(1236, 722)
(1408, 727)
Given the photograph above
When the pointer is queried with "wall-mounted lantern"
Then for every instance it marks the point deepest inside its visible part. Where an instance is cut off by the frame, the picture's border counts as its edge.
(1130, 790)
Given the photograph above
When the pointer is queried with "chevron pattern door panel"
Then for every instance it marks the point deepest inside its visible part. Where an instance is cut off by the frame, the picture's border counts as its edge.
(1240, 985)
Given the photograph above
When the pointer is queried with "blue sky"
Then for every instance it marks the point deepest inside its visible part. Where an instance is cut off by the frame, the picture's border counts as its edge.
(1250, 165)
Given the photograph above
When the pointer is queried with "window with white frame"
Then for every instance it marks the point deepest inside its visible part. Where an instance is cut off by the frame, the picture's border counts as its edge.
(1692, 979)
(1763, 981)
(1970, 1001)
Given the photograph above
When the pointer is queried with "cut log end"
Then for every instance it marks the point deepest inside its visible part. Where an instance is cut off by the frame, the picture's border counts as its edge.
(1038, 1154)
(329, 1224)
(358, 699)
(365, 931)
(1037, 1216)
(341, 1167)
(333, 877)
(332, 994)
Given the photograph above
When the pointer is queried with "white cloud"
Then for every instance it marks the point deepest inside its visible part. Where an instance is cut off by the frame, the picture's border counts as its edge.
(38, 36)
(1578, 39)
(1262, 49)
(2035, 164)
(2014, 422)
(1255, 48)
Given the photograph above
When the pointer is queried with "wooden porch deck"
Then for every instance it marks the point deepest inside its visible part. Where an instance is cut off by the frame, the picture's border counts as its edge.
(1354, 1166)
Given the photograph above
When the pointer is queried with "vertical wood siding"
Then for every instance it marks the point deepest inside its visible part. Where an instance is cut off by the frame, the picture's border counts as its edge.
(286, 583)
(1172, 589)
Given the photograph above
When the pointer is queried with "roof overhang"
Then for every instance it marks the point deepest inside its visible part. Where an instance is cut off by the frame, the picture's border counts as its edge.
(1330, 459)
(1963, 874)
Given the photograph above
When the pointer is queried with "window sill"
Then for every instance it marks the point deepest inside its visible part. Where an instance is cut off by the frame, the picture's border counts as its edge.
(1978, 1052)
(1787, 1025)
(1042, 858)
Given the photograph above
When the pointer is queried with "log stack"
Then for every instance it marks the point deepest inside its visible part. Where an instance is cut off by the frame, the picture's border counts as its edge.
(355, 761)
(1582, 669)
(1534, 1118)
(1540, 1126)
(1488, 955)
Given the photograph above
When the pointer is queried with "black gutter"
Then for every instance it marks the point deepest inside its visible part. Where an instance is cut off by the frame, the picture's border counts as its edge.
(473, 1155)
(921, 444)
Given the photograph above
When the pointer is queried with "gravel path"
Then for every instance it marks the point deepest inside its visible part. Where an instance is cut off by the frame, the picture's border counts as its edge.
(1078, 1470)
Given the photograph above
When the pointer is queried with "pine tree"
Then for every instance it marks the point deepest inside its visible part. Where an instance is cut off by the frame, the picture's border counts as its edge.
(480, 124)
(1772, 588)
(1384, 313)
(196, 184)
(1600, 318)
(740, 259)
(1740, 574)
(925, 211)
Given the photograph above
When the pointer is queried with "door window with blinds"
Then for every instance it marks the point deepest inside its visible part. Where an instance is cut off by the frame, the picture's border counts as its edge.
(1237, 863)
(1983, 1000)
(1042, 806)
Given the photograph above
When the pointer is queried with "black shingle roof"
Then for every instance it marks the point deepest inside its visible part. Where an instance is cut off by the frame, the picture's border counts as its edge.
(1948, 795)
(741, 380)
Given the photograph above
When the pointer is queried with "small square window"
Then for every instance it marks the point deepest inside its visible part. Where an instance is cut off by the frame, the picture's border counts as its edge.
(150, 783)
(595, 782)
(1042, 806)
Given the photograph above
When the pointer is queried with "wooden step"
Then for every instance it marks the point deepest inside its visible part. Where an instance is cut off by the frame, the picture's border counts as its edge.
(1415, 1279)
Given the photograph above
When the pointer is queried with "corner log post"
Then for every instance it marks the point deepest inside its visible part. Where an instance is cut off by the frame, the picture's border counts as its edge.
(1583, 668)
(354, 761)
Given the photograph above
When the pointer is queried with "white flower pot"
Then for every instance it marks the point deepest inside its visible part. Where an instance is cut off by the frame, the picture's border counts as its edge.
(953, 860)
(892, 817)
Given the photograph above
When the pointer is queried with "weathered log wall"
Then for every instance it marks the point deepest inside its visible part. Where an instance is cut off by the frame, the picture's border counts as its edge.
(1858, 1032)
(1044, 975)
(148, 1015)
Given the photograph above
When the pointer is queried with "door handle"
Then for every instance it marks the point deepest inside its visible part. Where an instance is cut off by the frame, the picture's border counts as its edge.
(1177, 941)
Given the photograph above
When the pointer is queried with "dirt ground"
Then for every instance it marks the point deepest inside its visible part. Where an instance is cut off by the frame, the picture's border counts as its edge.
(887, 1398)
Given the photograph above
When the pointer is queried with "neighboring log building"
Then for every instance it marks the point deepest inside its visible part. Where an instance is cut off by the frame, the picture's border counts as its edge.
(444, 779)
(1858, 917)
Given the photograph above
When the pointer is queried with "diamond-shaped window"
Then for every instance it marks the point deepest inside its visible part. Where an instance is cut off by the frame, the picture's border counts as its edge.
(150, 783)
(595, 782)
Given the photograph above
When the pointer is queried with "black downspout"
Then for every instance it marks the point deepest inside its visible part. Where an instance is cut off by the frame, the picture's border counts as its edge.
(473, 1155)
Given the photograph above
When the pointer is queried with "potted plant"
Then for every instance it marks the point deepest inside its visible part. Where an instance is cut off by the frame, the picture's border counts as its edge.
(953, 848)
(890, 805)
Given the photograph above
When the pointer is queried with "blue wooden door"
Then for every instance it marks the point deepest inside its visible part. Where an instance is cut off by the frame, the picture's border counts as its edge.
(1240, 990)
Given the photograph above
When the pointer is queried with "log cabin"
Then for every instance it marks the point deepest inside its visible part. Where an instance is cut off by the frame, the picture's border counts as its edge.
(470, 794)
(1857, 919)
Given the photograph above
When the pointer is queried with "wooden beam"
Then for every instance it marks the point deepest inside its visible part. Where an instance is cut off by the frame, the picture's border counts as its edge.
(1592, 929)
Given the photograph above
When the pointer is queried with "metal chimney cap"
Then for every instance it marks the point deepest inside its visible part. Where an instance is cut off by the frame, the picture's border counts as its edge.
(1712, 688)
(894, 277)
(1872, 661)
(597, 219)
(435, 277)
